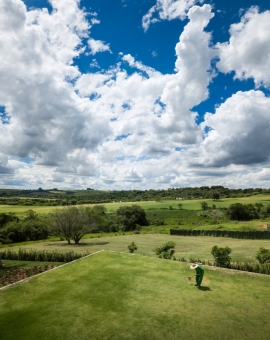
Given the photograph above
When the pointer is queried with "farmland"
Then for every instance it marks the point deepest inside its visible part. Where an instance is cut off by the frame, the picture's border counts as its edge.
(184, 214)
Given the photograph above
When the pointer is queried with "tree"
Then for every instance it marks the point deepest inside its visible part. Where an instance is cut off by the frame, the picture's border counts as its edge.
(265, 211)
(165, 251)
(180, 205)
(6, 217)
(98, 218)
(263, 255)
(131, 216)
(72, 223)
(221, 256)
(204, 205)
(242, 212)
(216, 196)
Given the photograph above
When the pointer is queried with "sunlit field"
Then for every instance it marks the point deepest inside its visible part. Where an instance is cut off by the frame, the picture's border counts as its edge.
(120, 296)
(242, 249)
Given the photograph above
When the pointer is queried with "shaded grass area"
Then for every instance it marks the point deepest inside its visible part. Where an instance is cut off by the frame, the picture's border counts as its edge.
(13, 264)
(242, 249)
(119, 296)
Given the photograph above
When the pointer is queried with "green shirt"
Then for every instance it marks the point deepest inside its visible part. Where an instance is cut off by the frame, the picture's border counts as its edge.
(199, 270)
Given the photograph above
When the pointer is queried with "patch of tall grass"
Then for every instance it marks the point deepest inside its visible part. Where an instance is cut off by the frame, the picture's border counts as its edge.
(35, 255)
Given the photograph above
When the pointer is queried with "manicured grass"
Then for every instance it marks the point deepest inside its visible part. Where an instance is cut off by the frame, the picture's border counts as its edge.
(242, 249)
(119, 296)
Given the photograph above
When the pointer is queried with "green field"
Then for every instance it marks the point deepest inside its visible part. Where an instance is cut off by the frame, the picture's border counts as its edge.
(242, 249)
(150, 205)
(119, 296)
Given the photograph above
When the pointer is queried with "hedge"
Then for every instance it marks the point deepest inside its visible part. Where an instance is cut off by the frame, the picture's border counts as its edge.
(254, 235)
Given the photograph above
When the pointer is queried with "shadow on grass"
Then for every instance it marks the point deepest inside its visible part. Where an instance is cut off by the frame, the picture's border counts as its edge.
(205, 289)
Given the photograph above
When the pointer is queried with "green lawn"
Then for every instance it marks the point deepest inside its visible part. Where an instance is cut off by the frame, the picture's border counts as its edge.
(120, 296)
(242, 249)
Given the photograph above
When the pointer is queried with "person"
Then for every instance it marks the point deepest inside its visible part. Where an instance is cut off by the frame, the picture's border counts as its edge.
(199, 273)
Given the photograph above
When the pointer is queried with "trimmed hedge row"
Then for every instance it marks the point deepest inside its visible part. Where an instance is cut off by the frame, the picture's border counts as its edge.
(255, 235)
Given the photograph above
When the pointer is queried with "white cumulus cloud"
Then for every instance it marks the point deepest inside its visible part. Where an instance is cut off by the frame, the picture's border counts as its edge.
(247, 53)
(167, 10)
(98, 46)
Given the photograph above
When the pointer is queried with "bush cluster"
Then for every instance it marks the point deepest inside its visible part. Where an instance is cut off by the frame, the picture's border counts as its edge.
(23, 231)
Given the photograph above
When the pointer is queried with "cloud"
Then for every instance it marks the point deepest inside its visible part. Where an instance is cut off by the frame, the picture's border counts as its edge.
(239, 132)
(47, 118)
(247, 53)
(68, 122)
(98, 46)
(167, 10)
(188, 87)
(129, 126)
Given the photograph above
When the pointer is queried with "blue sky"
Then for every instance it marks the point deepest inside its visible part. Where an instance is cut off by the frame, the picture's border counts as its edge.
(128, 94)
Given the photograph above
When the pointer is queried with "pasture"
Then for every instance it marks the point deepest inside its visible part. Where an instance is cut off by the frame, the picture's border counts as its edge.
(120, 296)
(151, 205)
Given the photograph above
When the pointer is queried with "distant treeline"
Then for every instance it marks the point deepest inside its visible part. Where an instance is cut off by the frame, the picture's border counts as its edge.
(55, 197)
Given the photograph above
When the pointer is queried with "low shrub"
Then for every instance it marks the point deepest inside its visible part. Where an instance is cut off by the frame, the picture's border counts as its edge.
(132, 247)
(165, 251)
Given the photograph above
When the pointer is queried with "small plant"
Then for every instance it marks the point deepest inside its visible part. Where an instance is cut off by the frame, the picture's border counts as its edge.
(165, 251)
(221, 256)
(132, 247)
(204, 205)
(263, 255)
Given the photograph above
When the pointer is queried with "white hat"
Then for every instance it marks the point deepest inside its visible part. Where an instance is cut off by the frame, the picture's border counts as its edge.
(193, 266)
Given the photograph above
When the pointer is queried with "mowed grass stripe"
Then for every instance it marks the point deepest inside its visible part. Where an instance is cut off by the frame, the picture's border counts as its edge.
(120, 296)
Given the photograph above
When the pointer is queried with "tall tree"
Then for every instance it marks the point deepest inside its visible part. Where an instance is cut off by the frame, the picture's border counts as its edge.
(72, 223)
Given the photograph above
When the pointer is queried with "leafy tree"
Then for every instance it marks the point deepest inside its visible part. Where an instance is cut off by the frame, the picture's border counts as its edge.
(165, 251)
(221, 256)
(30, 215)
(132, 247)
(265, 211)
(263, 255)
(180, 205)
(258, 206)
(98, 218)
(216, 196)
(6, 217)
(72, 223)
(204, 205)
(129, 216)
(242, 212)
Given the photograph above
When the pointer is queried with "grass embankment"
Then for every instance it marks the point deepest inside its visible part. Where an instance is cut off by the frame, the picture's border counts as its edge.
(242, 249)
(119, 296)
